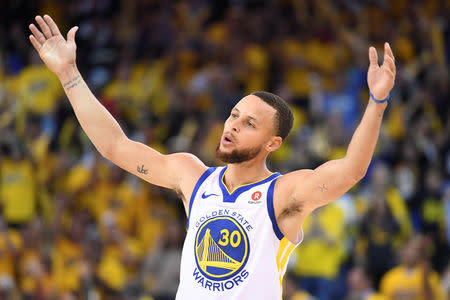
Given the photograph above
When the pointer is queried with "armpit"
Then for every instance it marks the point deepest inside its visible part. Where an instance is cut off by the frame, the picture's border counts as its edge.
(293, 208)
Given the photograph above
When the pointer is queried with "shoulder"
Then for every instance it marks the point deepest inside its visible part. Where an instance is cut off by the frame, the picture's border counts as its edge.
(390, 279)
(187, 163)
(187, 168)
(285, 185)
(293, 177)
(394, 272)
(185, 157)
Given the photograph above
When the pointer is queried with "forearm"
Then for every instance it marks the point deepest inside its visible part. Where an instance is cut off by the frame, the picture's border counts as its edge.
(99, 125)
(364, 140)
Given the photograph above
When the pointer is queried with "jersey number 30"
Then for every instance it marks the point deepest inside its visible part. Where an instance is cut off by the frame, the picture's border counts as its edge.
(234, 239)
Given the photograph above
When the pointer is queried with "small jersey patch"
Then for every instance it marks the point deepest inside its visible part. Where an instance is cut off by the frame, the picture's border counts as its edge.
(256, 196)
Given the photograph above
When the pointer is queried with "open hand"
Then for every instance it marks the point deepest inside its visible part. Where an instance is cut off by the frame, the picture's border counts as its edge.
(381, 79)
(56, 52)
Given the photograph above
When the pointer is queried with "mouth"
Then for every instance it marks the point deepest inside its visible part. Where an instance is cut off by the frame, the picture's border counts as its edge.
(227, 140)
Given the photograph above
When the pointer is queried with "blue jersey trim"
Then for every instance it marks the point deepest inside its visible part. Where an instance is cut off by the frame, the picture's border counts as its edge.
(227, 197)
(197, 186)
(271, 210)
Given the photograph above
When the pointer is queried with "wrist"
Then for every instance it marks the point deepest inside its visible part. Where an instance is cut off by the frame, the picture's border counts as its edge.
(378, 106)
(379, 99)
(68, 73)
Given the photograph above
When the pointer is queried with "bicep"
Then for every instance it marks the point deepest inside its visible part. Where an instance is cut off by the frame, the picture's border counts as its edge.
(152, 166)
(322, 185)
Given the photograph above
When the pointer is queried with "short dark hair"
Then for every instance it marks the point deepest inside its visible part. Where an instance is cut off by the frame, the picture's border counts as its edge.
(283, 116)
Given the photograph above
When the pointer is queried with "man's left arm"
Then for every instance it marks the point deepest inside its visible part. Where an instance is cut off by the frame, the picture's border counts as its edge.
(309, 189)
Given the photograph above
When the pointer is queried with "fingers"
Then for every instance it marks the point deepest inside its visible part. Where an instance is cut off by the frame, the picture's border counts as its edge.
(388, 51)
(71, 34)
(373, 56)
(44, 27)
(35, 43)
(389, 72)
(53, 27)
(389, 63)
(37, 34)
(48, 29)
(389, 60)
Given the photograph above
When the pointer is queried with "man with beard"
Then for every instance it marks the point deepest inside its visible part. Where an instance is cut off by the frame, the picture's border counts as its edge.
(243, 220)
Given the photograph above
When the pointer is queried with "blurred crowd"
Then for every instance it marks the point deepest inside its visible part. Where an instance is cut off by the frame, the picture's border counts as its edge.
(74, 226)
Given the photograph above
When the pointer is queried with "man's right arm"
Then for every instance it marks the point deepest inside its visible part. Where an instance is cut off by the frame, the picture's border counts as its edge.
(178, 171)
(110, 140)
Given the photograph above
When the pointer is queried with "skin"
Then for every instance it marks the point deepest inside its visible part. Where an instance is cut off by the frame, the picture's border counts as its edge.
(250, 124)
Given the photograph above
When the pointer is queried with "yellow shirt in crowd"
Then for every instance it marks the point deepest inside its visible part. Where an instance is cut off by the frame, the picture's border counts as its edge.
(6, 256)
(66, 265)
(38, 89)
(401, 283)
(17, 190)
(316, 256)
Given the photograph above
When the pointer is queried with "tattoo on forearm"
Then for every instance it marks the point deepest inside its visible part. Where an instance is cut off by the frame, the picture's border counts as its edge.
(142, 170)
(323, 188)
(72, 83)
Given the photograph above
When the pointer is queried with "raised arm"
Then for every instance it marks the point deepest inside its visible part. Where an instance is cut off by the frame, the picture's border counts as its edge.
(302, 191)
(102, 129)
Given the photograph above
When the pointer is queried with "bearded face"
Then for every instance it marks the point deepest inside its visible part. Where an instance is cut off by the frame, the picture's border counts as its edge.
(237, 156)
(248, 131)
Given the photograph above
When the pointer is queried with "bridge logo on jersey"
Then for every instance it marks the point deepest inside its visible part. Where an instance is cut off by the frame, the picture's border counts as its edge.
(221, 248)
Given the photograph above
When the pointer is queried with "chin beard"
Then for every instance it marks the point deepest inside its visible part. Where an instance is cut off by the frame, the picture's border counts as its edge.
(237, 156)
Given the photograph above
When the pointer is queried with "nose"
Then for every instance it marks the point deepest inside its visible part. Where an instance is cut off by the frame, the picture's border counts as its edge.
(234, 125)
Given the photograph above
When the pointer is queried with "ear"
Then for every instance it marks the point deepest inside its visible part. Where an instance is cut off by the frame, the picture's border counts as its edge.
(274, 143)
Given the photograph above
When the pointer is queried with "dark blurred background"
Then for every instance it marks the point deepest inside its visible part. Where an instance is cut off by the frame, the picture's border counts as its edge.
(74, 226)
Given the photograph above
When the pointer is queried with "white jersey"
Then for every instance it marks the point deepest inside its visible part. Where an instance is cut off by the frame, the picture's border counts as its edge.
(233, 248)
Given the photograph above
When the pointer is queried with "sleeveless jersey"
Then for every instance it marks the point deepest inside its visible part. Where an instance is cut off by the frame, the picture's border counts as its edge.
(233, 248)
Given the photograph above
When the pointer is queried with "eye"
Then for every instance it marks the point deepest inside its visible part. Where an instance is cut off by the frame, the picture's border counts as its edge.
(234, 116)
(250, 124)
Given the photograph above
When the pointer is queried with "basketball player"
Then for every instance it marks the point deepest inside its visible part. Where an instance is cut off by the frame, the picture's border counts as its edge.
(243, 220)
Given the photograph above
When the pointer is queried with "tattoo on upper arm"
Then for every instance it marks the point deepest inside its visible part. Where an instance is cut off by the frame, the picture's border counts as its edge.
(72, 83)
(142, 170)
(323, 188)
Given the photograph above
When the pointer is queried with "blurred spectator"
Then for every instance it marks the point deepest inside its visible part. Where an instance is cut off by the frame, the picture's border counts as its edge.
(162, 267)
(324, 238)
(291, 290)
(67, 254)
(446, 202)
(446, 281)
(360, 286)
(10, 248)
(17, 187)
(37, 87)
(34, 270)
(378, 229)
(413, 278)
(380, 192)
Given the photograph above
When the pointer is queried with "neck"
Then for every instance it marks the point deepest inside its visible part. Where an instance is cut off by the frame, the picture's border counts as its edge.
(245, 173)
